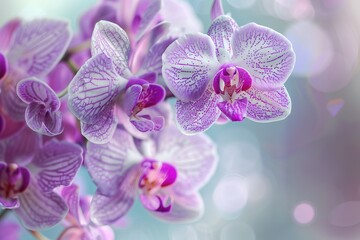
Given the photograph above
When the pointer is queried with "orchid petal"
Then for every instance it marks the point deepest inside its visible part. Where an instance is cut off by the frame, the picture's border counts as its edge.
(56, 164)
(33, 90)
(7, 33)
(234, 110)
(38, 46)
(94, 88)
(267, 55)
(9, 203)
(71, 233)
(9, 230)
(194, 157)
(71, 197)
(102, 128)
(189, 63)
(185, 208)
(216, 9)
(105, 162)
(112, 40)
(155, 203)
(108, 209)
(20, 147)
(131, 97)
(198, 116)
(10, 102)
(146, 12)
(221, 32)
(153, 59)
(40, 210)
(267, 106)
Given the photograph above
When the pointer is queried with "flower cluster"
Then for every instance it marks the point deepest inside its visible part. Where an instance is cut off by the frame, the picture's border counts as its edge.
(98, 99)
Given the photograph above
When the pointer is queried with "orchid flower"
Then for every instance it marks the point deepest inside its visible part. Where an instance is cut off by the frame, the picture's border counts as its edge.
(79, 225)
(30, 49)
(235, 71)
(9, 230)
(166, 171)
(29, 172)
(105, 84)
(42, 114)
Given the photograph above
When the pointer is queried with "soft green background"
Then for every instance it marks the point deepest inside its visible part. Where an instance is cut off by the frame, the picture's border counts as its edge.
(267, 170)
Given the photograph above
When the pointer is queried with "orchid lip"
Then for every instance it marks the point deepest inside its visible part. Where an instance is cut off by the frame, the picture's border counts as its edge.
(230, 80)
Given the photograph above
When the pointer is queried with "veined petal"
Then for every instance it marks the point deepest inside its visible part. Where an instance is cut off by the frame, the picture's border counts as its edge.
(234, 110)
(94, 88)
(20, 147)
(107, 162)
(194, 157)
(198, 116)
(7, 33)
(33, 90)
(102, 128)
(267, 106)
(108, 209)
(131, 97)
(221, 32)
(266, 54)
(38, 46)
(189, 63)
(56, 164)
(38, 209)
(53, 123)
(185, 208)
(71, 197)
(112, 40)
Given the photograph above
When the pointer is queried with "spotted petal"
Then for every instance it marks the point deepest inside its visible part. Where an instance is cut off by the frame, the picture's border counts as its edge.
(112, 40)
(105, 162)
(94, 88)
(56, 164)
(105, 210)
(194, 157)
(221, 32)
(267, 106)
(38, 46)
(189, 63)
(198, 116)
(40, 210)
(267, 55)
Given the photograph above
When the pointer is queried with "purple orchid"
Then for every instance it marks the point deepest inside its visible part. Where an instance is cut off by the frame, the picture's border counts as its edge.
(105, 84)
(9, 230)
(235, 71)
(42, 114)
(29, 49)
(166, 171)
(79, 225)
(29, 172)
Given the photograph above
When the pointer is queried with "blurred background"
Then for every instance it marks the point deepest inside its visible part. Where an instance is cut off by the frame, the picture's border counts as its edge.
(298, 179)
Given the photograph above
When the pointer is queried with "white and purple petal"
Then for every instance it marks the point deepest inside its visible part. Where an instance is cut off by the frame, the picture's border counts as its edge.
(266, 54)
(235, 110)
(102, 128)
(267, 106)
(198, 116)
(94, 88)
(106, 163)
(194, 157)
(38, 46)
(56, 164)
(189, 64)
(39, 210)
(221, 32)
(112, 40)
(108, 209)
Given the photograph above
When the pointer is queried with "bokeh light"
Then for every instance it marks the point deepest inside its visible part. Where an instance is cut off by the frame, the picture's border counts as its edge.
(346, 214)
(304, 213)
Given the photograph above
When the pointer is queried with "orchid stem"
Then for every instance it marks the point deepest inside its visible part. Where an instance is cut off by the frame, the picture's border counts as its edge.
(38, 235)
(4, 213)
(62, 93)
(72, 65)
(79, 48)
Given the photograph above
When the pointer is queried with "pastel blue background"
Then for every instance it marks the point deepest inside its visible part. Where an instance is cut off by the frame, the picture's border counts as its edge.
(267, 171)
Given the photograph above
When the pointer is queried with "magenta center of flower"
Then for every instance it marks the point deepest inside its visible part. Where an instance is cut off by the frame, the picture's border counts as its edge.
(13, 180)
(230, 80)
(156, 176)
